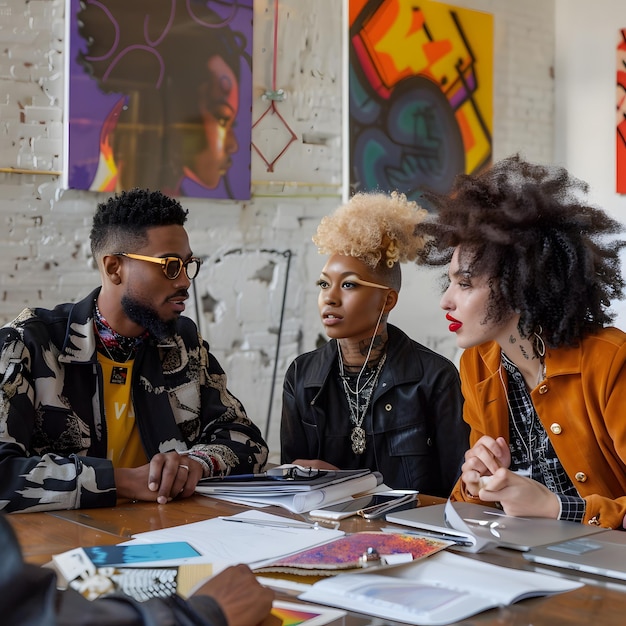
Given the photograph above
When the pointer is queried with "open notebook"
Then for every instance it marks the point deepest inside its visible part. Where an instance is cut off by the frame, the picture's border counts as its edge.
(603, 554)
(443, 588)
(484, 527)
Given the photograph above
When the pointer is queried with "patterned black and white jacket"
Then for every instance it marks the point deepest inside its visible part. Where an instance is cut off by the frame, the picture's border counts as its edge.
(53, 435)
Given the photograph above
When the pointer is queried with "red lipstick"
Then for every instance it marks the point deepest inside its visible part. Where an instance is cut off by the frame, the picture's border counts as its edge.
(454, 323)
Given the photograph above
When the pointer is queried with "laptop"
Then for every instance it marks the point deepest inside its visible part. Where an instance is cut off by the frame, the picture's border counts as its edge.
(480, 527)
(603, 554)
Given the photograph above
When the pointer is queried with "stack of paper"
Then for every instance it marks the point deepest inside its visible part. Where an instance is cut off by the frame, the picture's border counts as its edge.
(295, 495)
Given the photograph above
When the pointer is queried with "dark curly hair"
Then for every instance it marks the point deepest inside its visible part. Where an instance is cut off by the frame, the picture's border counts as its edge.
(120, 223)
(545, 252)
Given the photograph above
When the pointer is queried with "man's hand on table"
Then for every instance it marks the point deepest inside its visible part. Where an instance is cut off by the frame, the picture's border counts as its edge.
(169, 475)
(244, 601)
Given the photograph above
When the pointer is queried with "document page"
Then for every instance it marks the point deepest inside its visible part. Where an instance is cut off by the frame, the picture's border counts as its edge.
(441, 589)
(222, 541)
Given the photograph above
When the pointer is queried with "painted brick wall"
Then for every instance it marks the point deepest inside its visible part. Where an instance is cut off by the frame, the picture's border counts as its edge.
(251, 248)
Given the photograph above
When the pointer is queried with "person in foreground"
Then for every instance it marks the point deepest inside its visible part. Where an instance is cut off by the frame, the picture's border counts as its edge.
(117, 395)
(372, 397)
(532, 271)
(29, 597)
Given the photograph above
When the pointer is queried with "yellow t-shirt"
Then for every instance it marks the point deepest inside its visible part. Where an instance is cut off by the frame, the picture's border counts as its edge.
(124, 443)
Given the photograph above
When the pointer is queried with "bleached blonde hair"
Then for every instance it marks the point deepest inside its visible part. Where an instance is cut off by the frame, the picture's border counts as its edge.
(375, 227)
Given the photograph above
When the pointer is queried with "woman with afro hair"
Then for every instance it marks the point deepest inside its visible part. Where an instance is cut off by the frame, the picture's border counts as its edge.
(372, 397)
(532, 271)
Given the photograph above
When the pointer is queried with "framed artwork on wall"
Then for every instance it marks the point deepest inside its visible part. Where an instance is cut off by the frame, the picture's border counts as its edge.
(159, 96)
(420, 94)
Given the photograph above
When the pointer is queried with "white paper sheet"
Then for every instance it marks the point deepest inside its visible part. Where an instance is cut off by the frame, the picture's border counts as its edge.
(226, 543)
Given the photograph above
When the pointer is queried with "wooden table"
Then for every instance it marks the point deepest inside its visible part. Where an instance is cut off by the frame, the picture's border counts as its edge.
(44, 534)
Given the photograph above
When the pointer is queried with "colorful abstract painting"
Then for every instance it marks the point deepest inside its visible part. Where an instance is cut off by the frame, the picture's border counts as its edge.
(621, 113)
(159, 96)
(346, 553)
(420, 94)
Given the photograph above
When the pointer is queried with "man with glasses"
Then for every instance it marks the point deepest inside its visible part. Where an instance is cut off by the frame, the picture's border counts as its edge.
(117, 396)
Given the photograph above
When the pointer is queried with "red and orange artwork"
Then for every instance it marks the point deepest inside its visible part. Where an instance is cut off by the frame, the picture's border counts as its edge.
(420, 94)
(620, 121)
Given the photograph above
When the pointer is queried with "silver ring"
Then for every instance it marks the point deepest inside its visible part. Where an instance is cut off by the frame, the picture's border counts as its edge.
(184, 466)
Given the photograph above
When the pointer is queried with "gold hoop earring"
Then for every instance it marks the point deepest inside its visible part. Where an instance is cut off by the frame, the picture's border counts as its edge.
(539, 345)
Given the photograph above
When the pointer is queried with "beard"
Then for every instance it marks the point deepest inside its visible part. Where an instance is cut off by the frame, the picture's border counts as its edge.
(148, 318)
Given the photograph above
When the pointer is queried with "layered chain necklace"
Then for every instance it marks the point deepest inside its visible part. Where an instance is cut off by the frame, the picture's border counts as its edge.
(530, 426)
(361, 392)
(117, 347)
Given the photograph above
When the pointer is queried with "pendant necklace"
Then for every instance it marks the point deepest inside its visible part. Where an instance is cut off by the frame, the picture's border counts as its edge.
(366, 390)
(120, 349)
(124, 359)
(531, 425)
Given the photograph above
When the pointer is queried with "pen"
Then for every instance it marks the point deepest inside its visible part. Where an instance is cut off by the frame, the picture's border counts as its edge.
(237, 477)
(262, 522)
(281, 474)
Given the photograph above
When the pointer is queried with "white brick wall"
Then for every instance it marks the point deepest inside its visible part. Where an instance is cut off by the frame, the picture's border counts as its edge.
(44, 252)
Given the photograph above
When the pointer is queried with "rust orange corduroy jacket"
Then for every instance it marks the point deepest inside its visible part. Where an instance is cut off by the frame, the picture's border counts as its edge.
(582, 406)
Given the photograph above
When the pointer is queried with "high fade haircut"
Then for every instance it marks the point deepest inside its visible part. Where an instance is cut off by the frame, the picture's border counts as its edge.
(545, 252)
(376, 228)
(121, 223)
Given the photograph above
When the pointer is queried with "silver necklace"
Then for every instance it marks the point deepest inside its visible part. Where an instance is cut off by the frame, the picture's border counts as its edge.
(100, 321)
(357, 413)
(356, 391)
(111, 356)
(529, 448)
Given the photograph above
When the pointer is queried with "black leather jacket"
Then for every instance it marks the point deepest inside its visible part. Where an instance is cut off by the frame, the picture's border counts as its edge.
(416, 436)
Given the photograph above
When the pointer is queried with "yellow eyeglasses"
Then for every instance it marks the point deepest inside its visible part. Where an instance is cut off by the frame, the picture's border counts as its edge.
(367, 283)
(172, 266)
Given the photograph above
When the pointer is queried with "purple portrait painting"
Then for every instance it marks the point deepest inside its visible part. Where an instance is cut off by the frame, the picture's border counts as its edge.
(160, 96)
